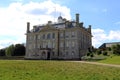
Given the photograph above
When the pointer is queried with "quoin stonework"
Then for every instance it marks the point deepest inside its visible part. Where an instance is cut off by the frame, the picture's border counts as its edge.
(63, 39)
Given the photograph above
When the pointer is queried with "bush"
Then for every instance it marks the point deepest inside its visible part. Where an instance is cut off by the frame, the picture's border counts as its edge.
(99, 52)
(105, 53)
(91, 55)
(88, 54)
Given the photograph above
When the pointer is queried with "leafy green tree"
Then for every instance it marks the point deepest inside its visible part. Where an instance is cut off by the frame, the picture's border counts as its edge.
(2, 52)
(10, 50)
(116, 49)
(19, 50)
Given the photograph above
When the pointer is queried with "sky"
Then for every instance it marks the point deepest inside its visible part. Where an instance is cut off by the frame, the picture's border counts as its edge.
(103, 15)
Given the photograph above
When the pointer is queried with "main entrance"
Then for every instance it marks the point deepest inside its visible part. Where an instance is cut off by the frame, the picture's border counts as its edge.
(48, 55)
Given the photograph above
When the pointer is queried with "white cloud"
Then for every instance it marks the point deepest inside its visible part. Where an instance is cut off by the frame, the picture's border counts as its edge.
(14, 17)
(100, 36)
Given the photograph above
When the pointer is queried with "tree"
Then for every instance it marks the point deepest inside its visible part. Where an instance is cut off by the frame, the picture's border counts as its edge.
(116, 49)
(19, 50)
(10, 50)
(2, 52)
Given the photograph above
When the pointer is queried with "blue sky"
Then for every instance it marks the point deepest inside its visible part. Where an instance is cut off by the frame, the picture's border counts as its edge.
(103, 15)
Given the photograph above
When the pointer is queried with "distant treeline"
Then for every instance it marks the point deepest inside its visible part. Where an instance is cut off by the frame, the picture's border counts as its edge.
(13, 50)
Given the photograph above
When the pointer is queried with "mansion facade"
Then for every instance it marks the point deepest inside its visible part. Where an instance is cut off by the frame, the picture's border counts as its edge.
(61, 40)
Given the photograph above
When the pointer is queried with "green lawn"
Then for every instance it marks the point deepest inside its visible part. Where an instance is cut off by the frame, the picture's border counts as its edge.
(112, 60)
(55, 70)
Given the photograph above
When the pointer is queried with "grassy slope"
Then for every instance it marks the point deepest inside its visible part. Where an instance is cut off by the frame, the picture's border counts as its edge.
(112, 60)
(55, 70)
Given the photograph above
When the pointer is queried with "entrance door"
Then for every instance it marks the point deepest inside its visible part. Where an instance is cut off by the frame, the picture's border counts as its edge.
(48, 55)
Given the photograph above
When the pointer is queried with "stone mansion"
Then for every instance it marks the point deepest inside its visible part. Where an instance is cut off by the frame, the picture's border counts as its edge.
(61, 40)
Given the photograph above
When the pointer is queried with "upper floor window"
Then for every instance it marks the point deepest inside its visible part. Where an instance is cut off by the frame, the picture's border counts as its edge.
(48, 36)
(73, 44)
(73, 34)
(67, 43)
(39, 36)
(61, 35)
(53, 45)
(43, 36)
(61, 44)
(34, 37)
(66, 34)
(53, 35)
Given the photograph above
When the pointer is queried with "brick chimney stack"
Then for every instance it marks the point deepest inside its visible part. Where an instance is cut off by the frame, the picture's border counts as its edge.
(77, 18)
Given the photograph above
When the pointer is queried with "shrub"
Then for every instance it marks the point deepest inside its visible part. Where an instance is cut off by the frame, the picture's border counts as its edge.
(99, 52)
(91, 55)
(88, 54)
(105, 53)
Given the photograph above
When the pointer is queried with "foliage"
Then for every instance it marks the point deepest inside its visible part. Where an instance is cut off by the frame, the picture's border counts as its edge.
(13, 50)
(10, 50)
(99, 52)
(2, 52)
(55, 70)
(109, 49)
(116, 49)
(105, 53)
(91, 55)
(19, 50)
(88, 54)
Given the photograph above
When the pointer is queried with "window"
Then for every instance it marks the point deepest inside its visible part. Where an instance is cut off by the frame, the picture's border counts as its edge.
(38, 46)
(67, 43)
(61, 44)
(66, 53)
(34, 37)
(66, 34)
(43, 53)
(49, 44)
(53, 35)
(73, 53)
(48, 36)
(44, 44)
(53, 53)
(73, 44)
(38, 36)
(53, 45)
(43, 36)
(73, 34)
(61, 35)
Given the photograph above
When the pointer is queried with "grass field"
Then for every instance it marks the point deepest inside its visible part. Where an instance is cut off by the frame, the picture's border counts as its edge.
(55, 70)
(112, 60)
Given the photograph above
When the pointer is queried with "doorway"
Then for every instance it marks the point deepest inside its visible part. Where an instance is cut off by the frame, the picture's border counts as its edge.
(48, 55)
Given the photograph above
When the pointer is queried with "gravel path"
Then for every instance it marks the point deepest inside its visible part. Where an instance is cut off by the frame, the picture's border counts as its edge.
(96, 63)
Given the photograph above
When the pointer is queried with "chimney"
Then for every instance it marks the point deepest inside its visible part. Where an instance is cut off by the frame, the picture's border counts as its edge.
(77, 18)
(34, 28)
(89, 28)
(49, 22)
(81, 24)
(28, 27)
